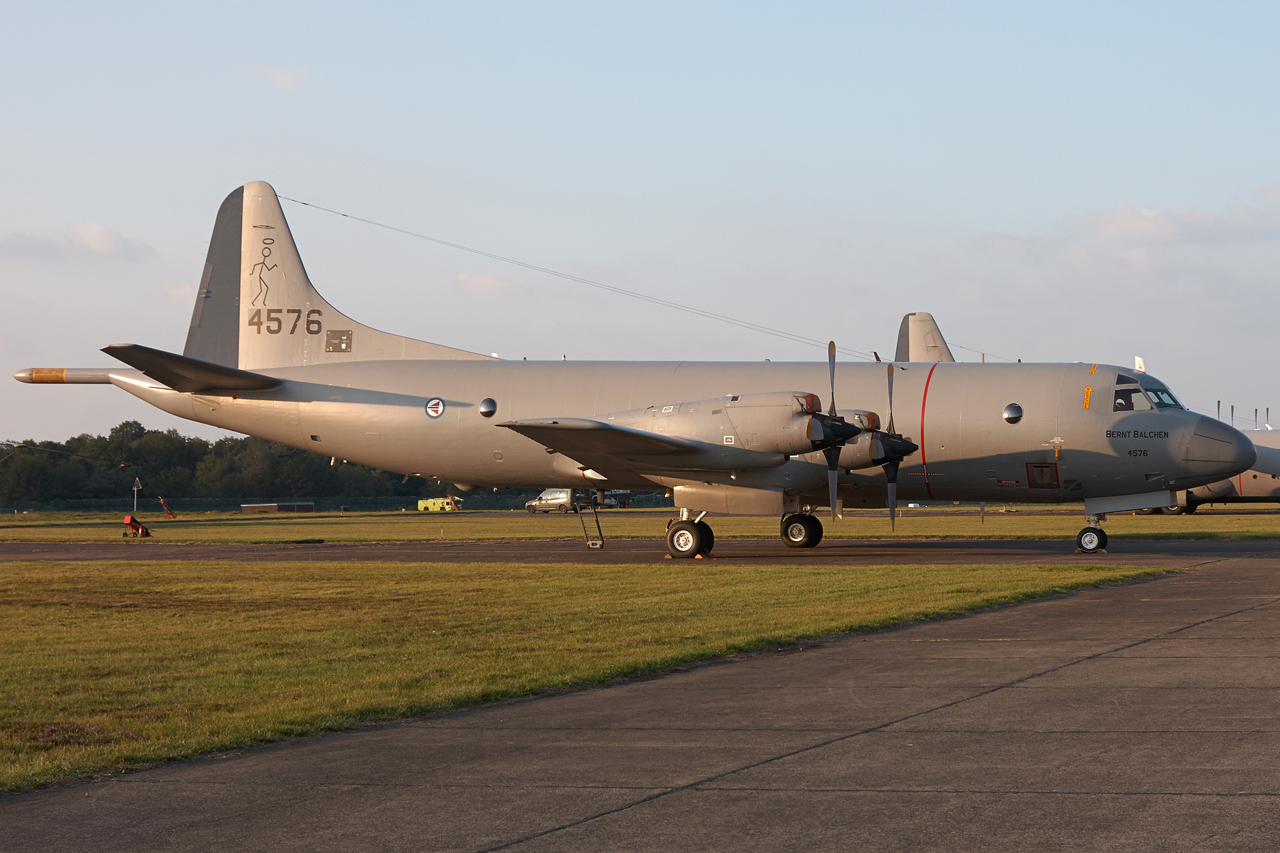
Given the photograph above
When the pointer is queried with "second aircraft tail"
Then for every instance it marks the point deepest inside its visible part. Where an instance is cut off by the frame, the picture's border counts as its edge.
(920, 339)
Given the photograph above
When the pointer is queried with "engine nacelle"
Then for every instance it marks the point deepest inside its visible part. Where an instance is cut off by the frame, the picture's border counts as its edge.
(783, 422)
(870, 449)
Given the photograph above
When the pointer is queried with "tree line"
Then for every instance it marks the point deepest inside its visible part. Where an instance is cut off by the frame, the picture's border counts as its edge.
(177, 466)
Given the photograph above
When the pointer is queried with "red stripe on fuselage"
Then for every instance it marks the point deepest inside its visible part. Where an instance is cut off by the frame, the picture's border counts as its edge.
(923, 462)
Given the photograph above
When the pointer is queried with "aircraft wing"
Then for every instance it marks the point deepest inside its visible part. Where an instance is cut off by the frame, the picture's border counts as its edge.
(188, 374)
(604, 447)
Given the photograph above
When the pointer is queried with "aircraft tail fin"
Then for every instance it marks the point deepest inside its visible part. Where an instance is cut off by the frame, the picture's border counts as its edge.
(257, 309)
(920, 339)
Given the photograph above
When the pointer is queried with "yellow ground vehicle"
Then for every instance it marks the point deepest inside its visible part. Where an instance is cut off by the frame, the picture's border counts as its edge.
(440, 505)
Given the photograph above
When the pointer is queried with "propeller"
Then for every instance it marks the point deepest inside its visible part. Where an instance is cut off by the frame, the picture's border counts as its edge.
(896, 448)
(833, 452)
(891, 467)
(829, 432)
(833, 432)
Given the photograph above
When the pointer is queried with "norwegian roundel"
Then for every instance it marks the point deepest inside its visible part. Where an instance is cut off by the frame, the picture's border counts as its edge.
(435, 407)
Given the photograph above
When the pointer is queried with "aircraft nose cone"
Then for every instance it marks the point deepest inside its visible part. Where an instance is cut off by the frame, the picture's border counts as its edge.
(1215, 448)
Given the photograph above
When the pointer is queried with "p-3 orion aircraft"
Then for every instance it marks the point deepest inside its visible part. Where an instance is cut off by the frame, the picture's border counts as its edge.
(266, 355)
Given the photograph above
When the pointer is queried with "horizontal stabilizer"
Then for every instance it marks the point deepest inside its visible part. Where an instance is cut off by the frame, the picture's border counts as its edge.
(188, 375)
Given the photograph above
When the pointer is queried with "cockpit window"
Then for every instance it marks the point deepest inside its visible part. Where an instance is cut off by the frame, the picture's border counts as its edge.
(1160, 396)
(1129, 396)
(1162, 399)
(1131, 400)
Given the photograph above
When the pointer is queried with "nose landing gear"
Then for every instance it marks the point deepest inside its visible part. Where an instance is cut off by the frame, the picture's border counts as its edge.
(1093, 538)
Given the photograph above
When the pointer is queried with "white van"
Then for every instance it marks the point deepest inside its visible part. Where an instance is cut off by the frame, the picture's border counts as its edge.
(564, 500)
(559, 500)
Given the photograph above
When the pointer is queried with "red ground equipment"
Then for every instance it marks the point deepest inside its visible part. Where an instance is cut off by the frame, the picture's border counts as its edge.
(167, 511)
(135, 528)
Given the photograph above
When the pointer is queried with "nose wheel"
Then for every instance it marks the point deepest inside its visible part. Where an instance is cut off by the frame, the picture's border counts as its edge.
(1093, 538)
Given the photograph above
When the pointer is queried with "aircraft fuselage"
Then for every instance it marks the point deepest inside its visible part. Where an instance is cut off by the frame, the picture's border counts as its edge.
(1070, 443)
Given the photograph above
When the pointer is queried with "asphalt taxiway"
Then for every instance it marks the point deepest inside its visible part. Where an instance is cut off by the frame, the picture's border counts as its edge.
(1135, 717)
(1174, 554)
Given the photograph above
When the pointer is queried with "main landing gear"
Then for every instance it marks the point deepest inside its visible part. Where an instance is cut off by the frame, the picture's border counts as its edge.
(691, 537)
(1093, 538)
(801, 531)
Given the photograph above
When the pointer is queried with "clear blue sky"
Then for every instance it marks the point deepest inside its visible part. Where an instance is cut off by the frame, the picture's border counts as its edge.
(1078, 182)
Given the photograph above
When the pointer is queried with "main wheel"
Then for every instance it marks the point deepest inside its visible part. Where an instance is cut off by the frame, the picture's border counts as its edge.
(684, 539)
(794, 531)
(801, 531)
(708, 537)
(1091, 540)
(815, 530)
(564, 509)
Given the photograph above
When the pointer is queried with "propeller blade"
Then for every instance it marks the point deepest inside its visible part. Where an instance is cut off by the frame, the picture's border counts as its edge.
(891, 430)
(891, 475)
(831, 362)
(833, 452)
(833, 476)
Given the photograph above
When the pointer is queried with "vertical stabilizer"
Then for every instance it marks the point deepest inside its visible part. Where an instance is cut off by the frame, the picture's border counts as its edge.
(920, 339)
(214, 333)
(257, 309)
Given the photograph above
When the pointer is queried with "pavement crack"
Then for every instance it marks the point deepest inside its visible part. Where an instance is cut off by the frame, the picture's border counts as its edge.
(1001, 792)
(708, 781)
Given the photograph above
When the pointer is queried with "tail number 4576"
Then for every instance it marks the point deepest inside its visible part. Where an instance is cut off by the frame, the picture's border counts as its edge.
(276, 319)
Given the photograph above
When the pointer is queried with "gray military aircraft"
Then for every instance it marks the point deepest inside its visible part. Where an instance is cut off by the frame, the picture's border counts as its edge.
(266, 355)
(920, 339)
(1257, 485)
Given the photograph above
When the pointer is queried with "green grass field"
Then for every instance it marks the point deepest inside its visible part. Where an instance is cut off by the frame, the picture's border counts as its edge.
(619, 524)
(118, 665)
